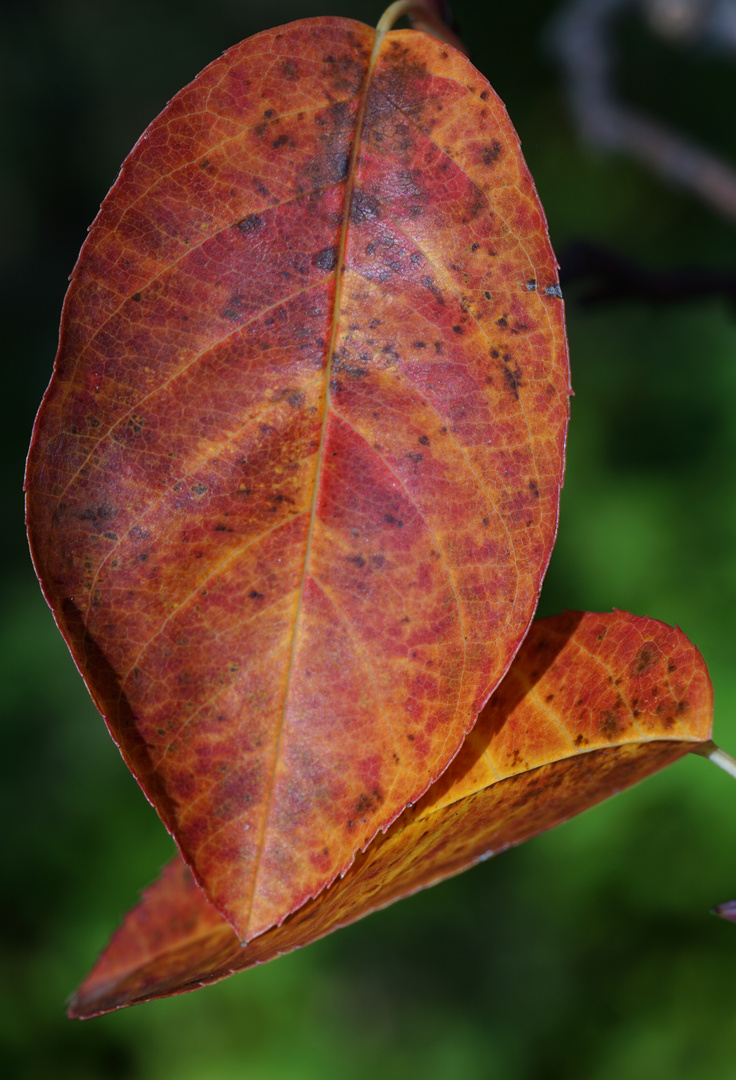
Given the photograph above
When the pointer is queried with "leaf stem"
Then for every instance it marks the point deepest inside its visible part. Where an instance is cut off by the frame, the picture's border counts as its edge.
(717, 756)
(423, 18)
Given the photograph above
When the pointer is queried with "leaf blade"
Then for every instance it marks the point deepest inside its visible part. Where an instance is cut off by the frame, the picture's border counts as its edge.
(293, 522)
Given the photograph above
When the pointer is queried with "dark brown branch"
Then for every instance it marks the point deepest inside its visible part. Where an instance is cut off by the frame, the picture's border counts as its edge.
(607, 276)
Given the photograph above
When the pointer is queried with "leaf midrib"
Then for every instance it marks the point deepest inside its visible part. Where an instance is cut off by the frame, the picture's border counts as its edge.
(336, 307)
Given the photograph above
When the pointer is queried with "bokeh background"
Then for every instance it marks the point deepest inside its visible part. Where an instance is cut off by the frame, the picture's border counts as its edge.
(588, 953)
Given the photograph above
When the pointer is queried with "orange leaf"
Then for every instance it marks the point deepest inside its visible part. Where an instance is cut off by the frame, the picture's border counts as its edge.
(294, 485)
(591, 705)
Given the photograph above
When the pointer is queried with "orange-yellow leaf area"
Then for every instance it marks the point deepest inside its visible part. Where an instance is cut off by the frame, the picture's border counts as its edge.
(591, 705)
(294, 485)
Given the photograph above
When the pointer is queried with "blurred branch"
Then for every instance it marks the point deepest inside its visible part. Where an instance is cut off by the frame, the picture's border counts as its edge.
(580, 38)
(609, 276)
(705, 22)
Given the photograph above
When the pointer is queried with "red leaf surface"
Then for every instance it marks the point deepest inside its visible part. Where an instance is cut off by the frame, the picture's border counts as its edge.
(294, 485)
(591, 705)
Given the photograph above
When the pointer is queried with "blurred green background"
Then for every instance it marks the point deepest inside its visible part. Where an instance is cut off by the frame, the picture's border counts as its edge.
(588, 953)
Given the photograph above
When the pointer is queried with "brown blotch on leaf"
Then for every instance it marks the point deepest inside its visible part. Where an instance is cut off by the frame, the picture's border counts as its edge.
(491, 153)
(513, 380)
(364, 207)
(233, 307)
(326, 259)
(250, 223)
(610, 724)
(646, 657)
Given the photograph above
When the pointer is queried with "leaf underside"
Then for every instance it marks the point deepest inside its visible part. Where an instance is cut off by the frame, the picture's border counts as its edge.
(591, 705)
(294, 485)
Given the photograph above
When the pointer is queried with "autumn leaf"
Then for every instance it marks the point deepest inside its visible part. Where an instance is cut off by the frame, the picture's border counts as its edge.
(294, 485)
(591, 705)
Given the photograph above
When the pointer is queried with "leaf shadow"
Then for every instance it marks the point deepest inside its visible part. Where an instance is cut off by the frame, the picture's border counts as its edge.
(545, 641)
(103, 684)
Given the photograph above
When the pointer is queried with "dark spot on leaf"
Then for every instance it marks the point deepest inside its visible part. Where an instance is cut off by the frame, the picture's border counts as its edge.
(424, 440)
(512, 379)
(97, 513)
(250, 223)
(491, 153)
(436, 292)
(326, 259)
(364, 207)
(254, 595)
(233, 307)
(610, 724)
(647, 656)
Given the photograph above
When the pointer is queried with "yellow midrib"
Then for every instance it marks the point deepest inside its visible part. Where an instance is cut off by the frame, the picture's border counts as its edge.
(383, 27)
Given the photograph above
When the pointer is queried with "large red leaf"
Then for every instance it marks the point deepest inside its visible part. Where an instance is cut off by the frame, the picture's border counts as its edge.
(592, 704)
(294, 484)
